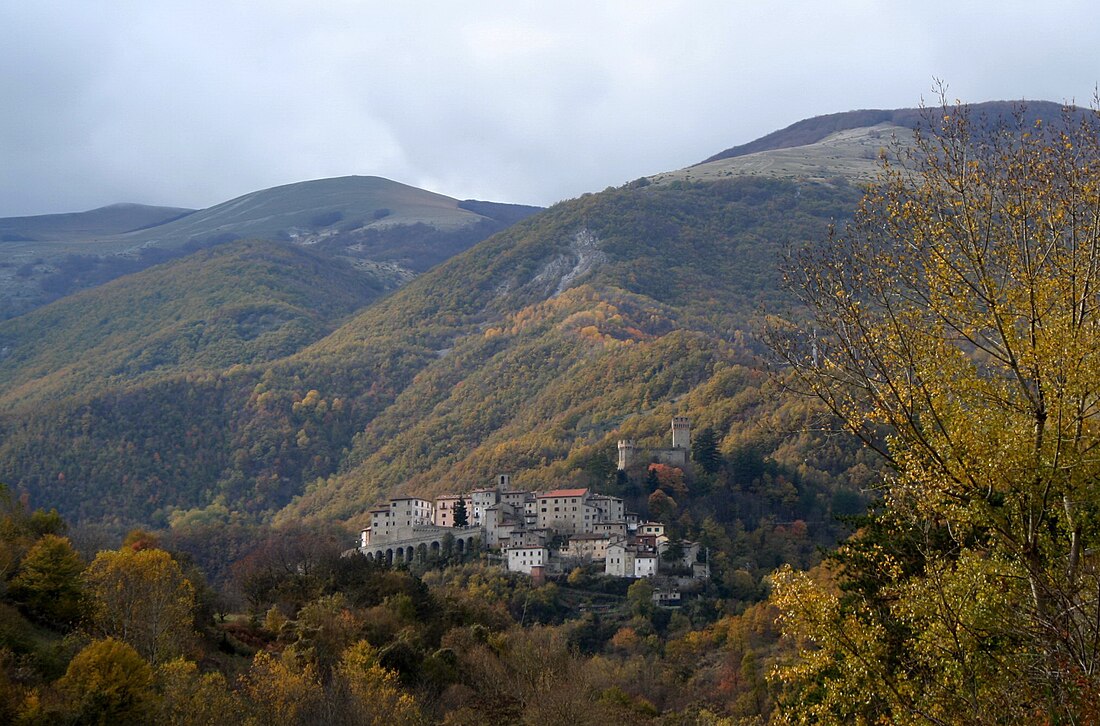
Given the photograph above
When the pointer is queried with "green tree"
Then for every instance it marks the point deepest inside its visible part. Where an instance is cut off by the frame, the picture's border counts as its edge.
(956, 329)
(704, 451)
(142, 598)
(48, 581)
(462, 518)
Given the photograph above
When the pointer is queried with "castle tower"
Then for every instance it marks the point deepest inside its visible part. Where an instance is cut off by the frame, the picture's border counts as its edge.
(626, 453)
(504, 482)
(681, 433)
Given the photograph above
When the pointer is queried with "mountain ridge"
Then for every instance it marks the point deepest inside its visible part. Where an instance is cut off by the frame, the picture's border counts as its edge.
(529, 352)
(88, 248)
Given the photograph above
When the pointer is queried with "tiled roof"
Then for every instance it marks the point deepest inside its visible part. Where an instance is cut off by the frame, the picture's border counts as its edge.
(563, 493)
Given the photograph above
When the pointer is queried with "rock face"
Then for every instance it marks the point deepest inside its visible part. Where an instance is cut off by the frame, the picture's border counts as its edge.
(582, 257)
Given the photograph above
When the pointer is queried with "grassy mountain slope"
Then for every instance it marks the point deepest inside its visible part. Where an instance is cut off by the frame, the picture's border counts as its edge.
(380, 225)
(104, 221)
(528, 353)
(812, 130)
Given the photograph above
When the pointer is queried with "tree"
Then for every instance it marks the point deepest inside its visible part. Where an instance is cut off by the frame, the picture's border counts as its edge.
(704, 451)
(662, 507)
(48, 581)
(376, 697)
(281, 693)
(108, 682)
(190, 698)
(955, 328)
(461, 516)
(142, 598)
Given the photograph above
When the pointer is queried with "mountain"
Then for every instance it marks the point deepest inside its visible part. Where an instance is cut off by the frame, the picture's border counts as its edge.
(238, 303)
(369, 221)
(102, 222)
(813, 130)
(531, 352)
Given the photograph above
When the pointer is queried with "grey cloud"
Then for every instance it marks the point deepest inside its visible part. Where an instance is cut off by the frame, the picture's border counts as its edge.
(190, 103)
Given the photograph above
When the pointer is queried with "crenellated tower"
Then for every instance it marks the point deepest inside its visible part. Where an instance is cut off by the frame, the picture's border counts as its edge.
(626, 453)
(681, 433)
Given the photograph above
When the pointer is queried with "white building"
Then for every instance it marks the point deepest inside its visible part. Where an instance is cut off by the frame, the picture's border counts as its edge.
(645, 564)
(522, 559)
(627, 560)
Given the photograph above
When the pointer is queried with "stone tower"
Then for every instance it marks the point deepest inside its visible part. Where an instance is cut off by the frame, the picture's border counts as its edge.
(504, 482)
(681, 433)
(626, 453)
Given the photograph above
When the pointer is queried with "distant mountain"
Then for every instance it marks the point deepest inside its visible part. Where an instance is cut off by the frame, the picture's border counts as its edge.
(530, 352)
(812, 130)
(366, 220)
(77, 226)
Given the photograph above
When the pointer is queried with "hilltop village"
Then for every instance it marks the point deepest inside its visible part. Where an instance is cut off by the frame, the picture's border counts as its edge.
(543, 533)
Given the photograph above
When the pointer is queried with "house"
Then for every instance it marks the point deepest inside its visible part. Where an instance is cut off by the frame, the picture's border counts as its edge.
(657, 529)
(444, 509)
(619, 561)
(564, 510)
(480, 500)
(612, 529)
(587, 547)
(667, 596)
(522, 559)
(625, 559)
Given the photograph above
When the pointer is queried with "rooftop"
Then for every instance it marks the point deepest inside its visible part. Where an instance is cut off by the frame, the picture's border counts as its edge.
(563, 493)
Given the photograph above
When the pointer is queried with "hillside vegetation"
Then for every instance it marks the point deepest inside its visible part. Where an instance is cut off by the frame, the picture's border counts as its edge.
(240, 303)
(524, 354)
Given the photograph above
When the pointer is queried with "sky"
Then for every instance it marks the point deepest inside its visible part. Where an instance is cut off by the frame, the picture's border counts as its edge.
(193, 102)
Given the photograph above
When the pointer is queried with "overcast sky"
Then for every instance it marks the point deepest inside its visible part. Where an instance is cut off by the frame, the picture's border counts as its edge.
(190, 103)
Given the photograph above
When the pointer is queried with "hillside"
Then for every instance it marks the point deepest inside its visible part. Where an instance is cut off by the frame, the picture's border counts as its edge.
(380, 225)
(238, 303)
(531, 352)
(101, 222)
(813, 130)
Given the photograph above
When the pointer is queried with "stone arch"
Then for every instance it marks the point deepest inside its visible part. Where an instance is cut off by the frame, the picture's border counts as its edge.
(422, 552)
(435, 547)
(460, 545)
(389, 556)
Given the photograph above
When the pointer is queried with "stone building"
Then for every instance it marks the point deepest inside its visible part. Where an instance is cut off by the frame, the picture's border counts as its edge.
(678, 455)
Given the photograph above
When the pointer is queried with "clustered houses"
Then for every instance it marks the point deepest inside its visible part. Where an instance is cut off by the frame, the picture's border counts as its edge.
(536, 532)
(521, 524)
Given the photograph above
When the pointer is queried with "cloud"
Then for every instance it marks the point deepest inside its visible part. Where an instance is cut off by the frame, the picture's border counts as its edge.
(193, 102)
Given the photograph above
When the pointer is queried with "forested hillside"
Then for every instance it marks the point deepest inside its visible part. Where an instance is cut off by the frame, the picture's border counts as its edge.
(525, 354)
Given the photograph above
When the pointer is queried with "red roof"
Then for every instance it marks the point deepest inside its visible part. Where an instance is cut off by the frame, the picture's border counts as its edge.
(564, 493)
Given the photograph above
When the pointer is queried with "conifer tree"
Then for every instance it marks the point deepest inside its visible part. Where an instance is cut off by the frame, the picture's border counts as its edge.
(462, 518)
